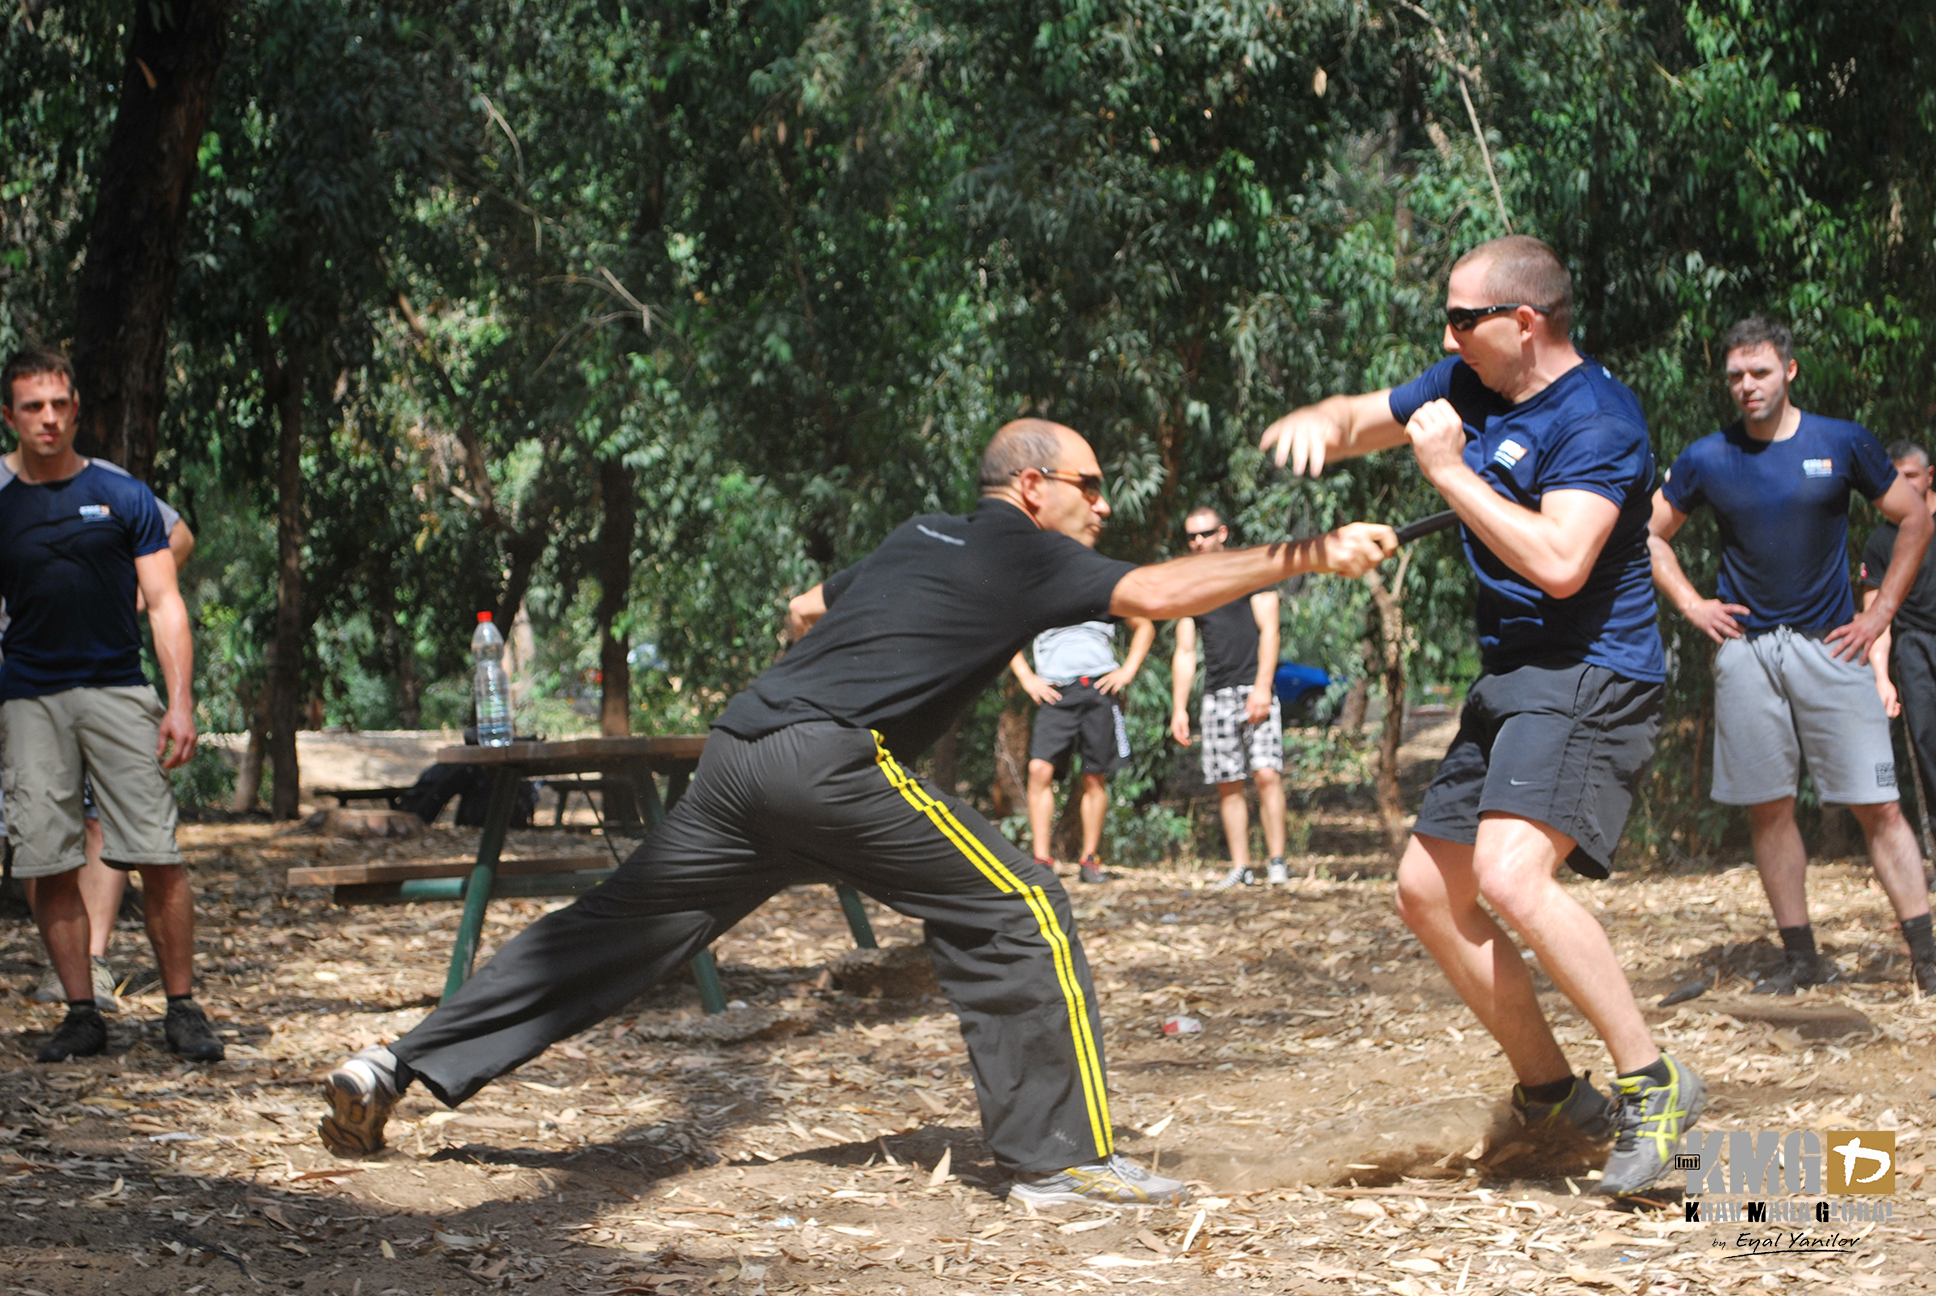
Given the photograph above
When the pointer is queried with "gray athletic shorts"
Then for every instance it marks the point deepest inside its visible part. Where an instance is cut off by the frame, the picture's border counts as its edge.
(1232, 746)
(1783, 696)
(110, 733)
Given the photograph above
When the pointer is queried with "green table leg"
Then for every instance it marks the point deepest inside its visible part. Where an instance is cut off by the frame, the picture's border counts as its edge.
(477, 896)
(856, 917)
(645, 792)
(705, 971)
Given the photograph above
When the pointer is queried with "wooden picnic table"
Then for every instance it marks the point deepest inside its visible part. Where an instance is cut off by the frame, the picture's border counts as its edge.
(638, 761)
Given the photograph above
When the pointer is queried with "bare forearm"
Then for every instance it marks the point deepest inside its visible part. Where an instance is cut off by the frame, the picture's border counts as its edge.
(1203, 582)
(1266, 656)
(1668, 576)
(1912, 539)
(175, 649)
(1142, 635)
(1552, 555)
(1183, 673)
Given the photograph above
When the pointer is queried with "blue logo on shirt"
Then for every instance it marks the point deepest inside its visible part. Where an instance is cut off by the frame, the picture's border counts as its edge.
(94, 512)
(1818, 467)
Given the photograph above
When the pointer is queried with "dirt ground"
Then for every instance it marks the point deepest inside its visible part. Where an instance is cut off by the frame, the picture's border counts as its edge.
(1340, 1111)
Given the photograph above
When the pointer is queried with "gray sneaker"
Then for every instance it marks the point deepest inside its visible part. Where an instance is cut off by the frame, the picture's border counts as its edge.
(1115, 1182)
(1239, 875)
(50, 989)
(1648, 1121)
(360, 1094)
(1275, 869)
(1585, 1109)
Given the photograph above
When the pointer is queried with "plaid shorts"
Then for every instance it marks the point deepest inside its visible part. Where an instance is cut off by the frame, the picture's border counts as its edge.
(1228, 738)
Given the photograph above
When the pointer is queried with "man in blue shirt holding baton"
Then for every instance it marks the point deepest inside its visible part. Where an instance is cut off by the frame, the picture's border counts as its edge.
(1544, 456)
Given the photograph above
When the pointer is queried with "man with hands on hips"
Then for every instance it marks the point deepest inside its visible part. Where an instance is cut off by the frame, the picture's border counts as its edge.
(1545, 458)
(1791, 674)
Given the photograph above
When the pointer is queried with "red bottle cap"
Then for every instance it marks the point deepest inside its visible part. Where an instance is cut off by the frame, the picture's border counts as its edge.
(483, 616)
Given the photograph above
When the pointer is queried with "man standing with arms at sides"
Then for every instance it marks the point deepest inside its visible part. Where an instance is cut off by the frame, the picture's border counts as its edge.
(1078, 689)
(805, 773)
(1544, 456)
(1904, 656)
(1791, 675)
(76, 543)
(1243, 728)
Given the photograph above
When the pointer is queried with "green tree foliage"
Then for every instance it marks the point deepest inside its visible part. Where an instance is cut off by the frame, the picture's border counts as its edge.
(790, 264)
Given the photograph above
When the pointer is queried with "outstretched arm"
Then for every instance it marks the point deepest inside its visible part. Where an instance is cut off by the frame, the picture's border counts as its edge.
(1199, 583)
(1339, 427)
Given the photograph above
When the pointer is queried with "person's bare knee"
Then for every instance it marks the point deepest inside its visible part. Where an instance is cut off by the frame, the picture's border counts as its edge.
(1513, 864)
(1041, 774)
(1432, 886)
(1267, 778)
(1771, 814)
(1879, 818)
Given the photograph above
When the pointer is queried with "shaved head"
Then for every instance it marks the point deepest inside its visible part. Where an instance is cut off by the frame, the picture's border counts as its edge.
(1520, 268)
(1024, 443)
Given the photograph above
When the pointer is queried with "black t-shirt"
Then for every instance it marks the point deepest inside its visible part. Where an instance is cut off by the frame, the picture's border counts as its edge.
(918, 628)
(1918, 610)
(1229, 637)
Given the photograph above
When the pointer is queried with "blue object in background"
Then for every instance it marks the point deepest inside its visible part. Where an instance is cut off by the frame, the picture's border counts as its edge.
(1293, 680)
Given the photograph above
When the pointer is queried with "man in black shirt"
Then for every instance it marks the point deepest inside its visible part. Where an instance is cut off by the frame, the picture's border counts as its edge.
(1908, 646)
(805, 775)
(1243, 729)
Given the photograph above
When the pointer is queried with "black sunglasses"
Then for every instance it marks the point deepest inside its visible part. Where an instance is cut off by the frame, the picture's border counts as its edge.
(1464, 318)
(1198, 535)
(1090, 484)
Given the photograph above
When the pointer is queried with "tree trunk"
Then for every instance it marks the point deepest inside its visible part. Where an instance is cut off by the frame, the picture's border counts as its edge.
(1391, 644)
(1010, 791)
(941, 765)
(248, 780)
(614, 584)
(127, 290)
(283, 385)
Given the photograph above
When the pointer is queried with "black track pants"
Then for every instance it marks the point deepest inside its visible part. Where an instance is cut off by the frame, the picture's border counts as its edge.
(816, 798)
(1913, 655)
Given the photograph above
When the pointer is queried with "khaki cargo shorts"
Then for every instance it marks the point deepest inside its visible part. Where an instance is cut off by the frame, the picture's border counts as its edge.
(47, 743)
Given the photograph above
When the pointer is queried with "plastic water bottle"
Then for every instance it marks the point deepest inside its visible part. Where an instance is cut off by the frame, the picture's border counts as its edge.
(490, 684)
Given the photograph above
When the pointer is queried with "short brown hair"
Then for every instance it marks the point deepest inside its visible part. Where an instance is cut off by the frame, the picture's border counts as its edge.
(31, 362)
(1759, 330)
(1520, 268)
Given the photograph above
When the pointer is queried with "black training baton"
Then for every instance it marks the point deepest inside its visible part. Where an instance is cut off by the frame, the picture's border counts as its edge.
(1426, 526)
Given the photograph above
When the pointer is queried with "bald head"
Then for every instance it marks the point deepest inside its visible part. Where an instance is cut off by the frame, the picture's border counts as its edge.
(1520, 268)
(1025, 443)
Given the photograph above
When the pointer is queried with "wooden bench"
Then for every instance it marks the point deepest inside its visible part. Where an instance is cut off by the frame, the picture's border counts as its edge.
(344, 796)
(476, 882)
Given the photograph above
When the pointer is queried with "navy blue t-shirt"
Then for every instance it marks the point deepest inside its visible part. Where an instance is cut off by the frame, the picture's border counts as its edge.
(1584, 431)
(67, 552)
(1783, 507)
